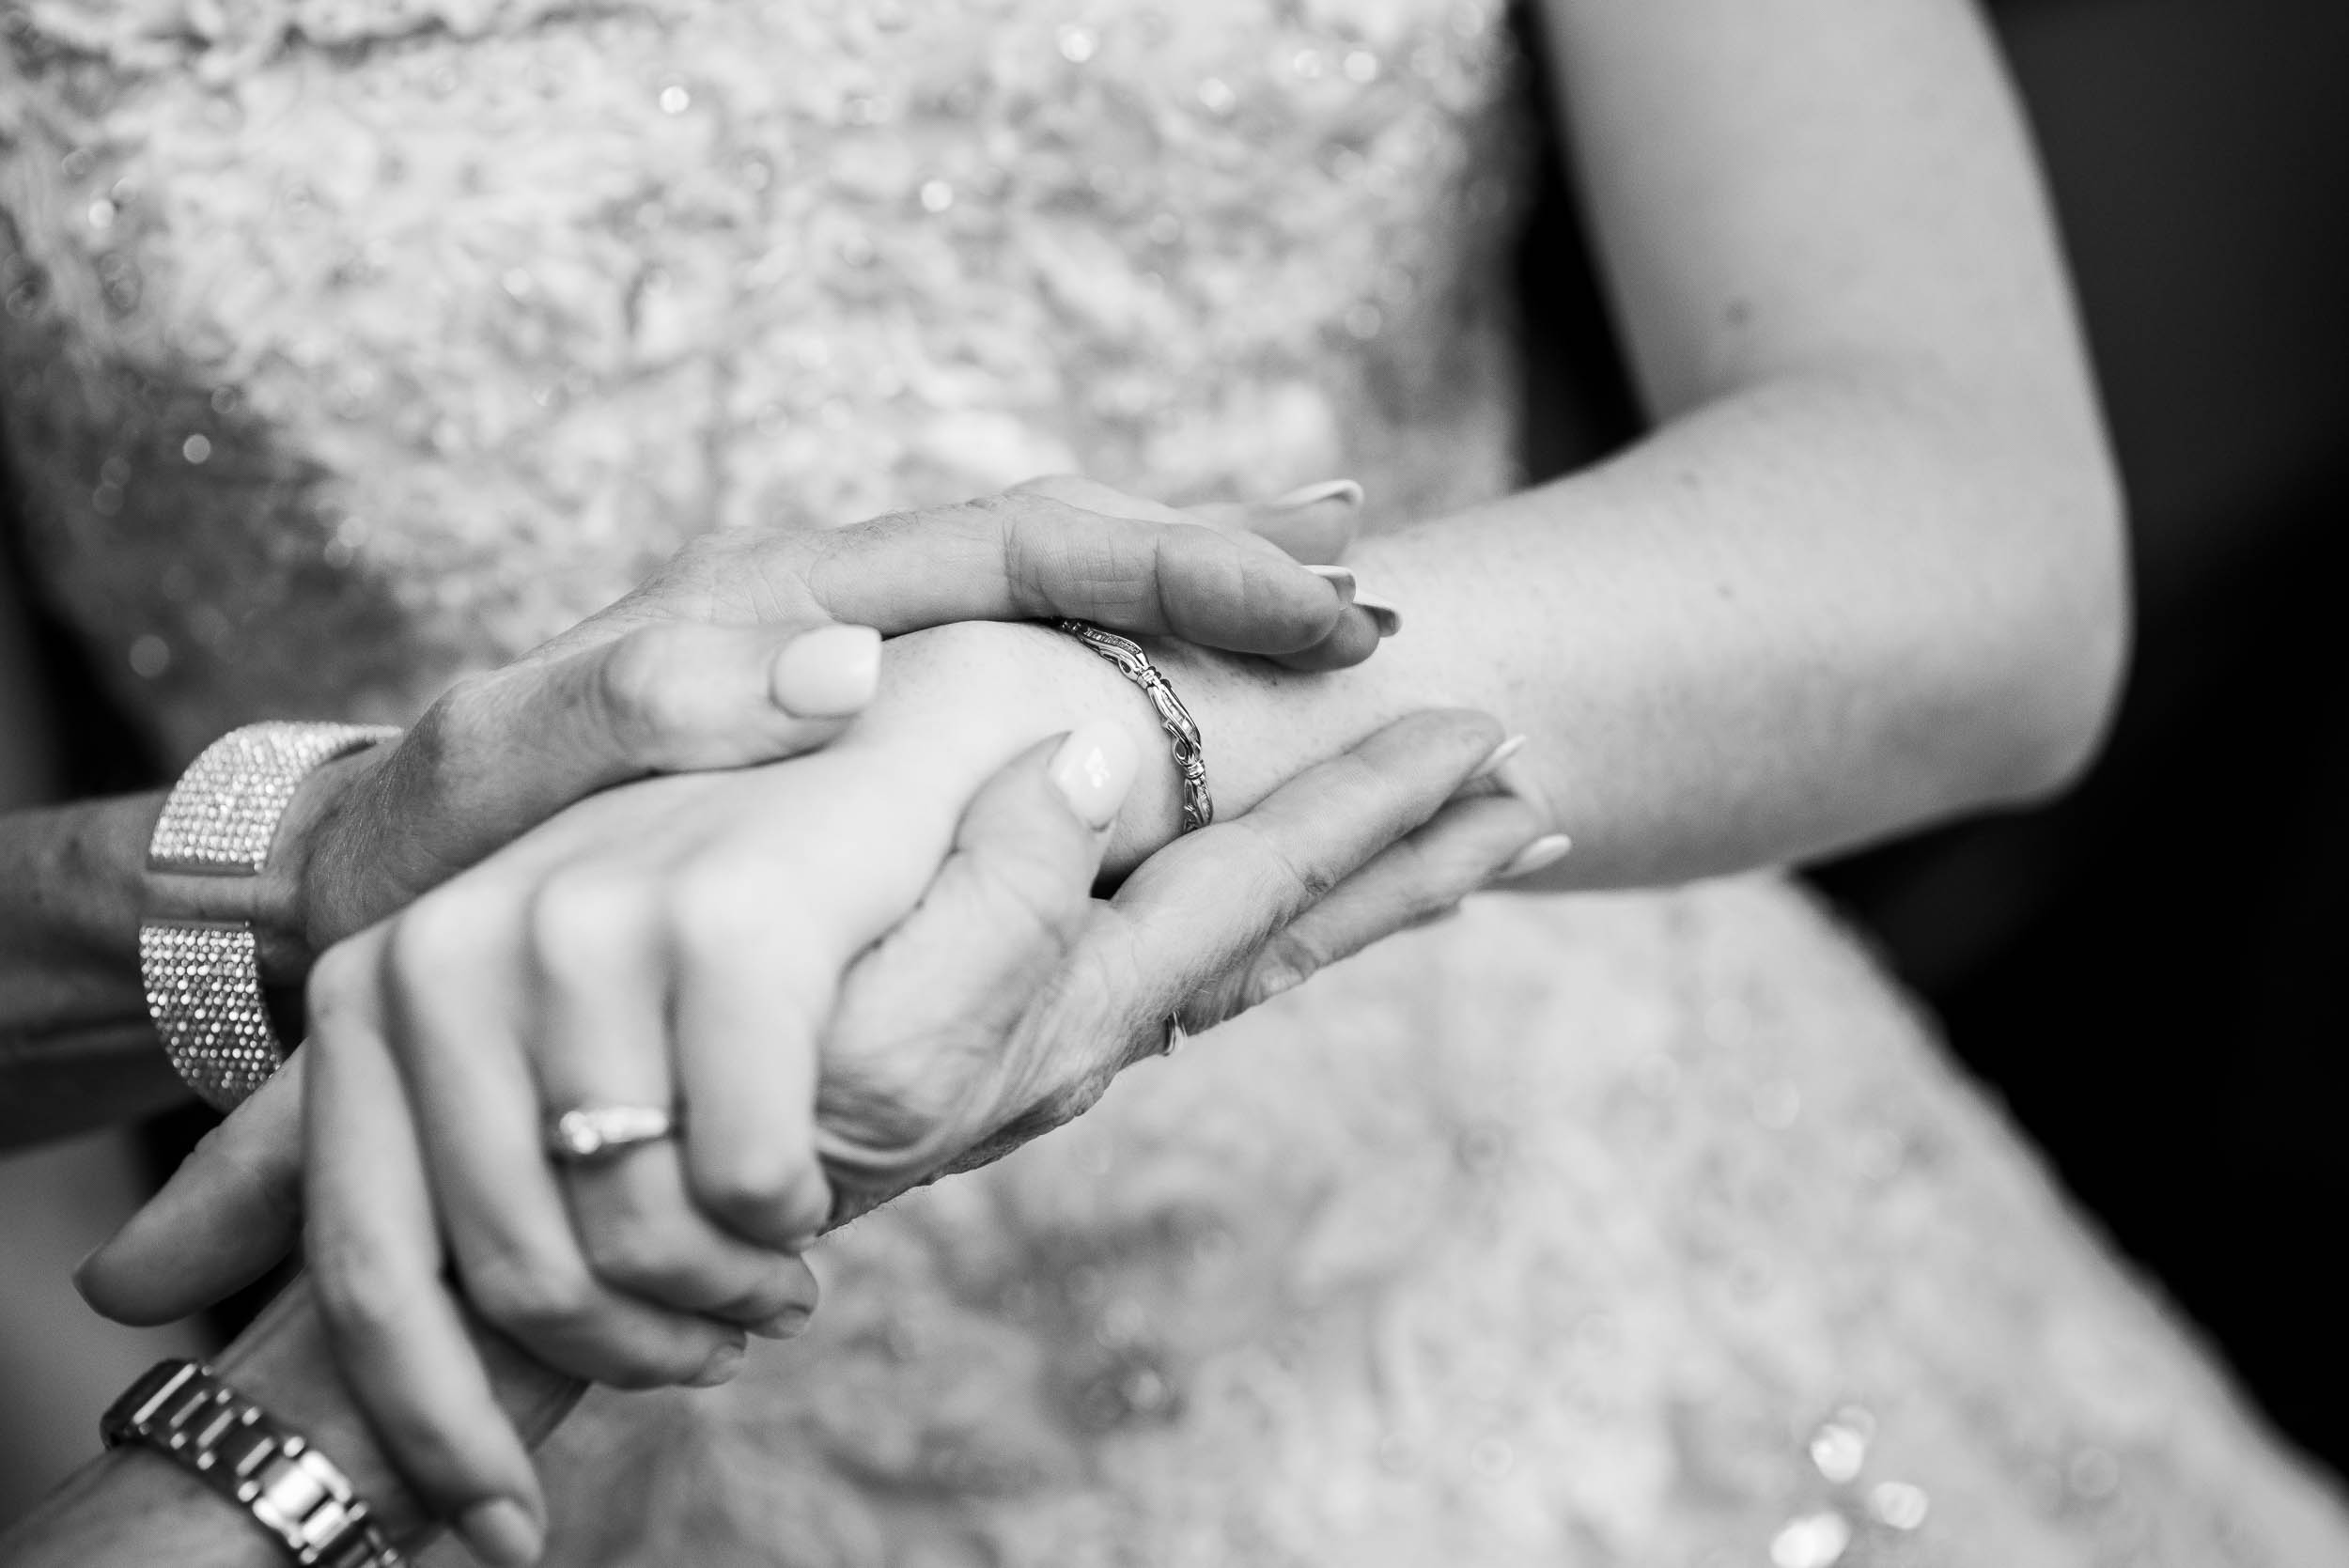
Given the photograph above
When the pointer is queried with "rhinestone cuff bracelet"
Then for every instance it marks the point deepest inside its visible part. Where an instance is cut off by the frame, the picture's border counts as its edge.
(203, 977)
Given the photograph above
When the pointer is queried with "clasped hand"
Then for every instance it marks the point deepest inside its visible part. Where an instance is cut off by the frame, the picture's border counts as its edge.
(851, 970)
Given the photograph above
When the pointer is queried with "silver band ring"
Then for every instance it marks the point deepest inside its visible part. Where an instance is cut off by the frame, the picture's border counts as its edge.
(590, 1133)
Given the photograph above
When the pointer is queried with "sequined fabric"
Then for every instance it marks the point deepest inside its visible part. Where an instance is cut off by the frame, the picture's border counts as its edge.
(347, 344)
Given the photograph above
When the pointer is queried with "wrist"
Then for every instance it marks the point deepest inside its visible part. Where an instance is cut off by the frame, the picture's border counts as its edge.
(296, 912)
(277, 902)
(985, 691)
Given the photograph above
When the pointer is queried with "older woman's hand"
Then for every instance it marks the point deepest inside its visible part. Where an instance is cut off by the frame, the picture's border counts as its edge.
(1007, 968)
(754, 646)
(1393, 834)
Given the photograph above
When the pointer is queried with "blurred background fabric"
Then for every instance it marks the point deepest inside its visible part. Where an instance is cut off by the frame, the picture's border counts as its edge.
(2146, 970)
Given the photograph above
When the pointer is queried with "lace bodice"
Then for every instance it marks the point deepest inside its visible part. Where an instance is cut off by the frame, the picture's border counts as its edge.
(348, 344)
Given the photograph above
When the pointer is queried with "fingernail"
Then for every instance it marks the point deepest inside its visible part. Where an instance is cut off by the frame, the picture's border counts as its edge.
(83, 1268)
(828, 674)
(1093, 770)
(720, 1366)
(788, 1324)
(502, 1533)
(1275, 981)
(1545, 851)
(1501, 754)
(1328, 490)
(1514, 776)
(1384, 615)
(1340, 578)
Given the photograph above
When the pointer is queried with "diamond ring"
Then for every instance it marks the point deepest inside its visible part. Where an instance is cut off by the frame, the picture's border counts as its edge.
(590, 1133)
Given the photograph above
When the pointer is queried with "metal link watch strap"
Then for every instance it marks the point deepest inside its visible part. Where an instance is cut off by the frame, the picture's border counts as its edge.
(1181, 730)
(203, 978)
(255, 1460)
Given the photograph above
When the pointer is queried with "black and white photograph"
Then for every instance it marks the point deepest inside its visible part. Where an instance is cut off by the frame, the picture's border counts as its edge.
(1174, 784)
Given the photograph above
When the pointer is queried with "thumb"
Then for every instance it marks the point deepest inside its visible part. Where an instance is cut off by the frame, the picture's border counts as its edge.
(501, 753)
(228, 1215)
(916, 1065)
(675, 697)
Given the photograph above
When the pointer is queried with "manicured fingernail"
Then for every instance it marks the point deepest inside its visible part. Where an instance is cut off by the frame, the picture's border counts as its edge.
(1276, 981)
(1501, 754)
(502, 1533)
(1384, 615)
(1094, 769)
(1545, 851)
(720, 1366)
(1340, 578)
(1514, 775)
(788, 1324)
(83, 1268)
(828, 674)
(1312, 495)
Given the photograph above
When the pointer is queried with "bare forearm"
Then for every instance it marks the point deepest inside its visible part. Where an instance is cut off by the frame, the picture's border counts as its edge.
(1807, 615)
(75, 1047)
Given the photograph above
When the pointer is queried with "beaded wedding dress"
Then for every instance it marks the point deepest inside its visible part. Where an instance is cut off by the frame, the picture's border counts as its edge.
(350, 343)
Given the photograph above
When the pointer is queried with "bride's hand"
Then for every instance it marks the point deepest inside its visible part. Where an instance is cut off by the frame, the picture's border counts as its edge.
(759, 646)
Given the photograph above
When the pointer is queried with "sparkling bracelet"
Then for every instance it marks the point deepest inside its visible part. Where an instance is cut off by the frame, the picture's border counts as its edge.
(203, 977)
(256, 1462)
(1182, 732)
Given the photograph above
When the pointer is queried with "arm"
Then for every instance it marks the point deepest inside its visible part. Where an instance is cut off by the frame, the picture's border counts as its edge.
(74, 1047)
(134, 1507)
(649, 686)
(1866, 572)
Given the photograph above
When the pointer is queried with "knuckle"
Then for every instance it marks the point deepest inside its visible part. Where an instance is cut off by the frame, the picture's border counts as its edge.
(894, 1099)
(437, 933)
(359, 1291)
(337, 981)
(1066, 1101)
(1297, 883)
(457, 722)
(583, 918)
(785, 1285)
(644, 686)
(1093, 987)
(1284, 962)
(1042, 886)
(633, 1251)
(762, 1195)
(530, 1298)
